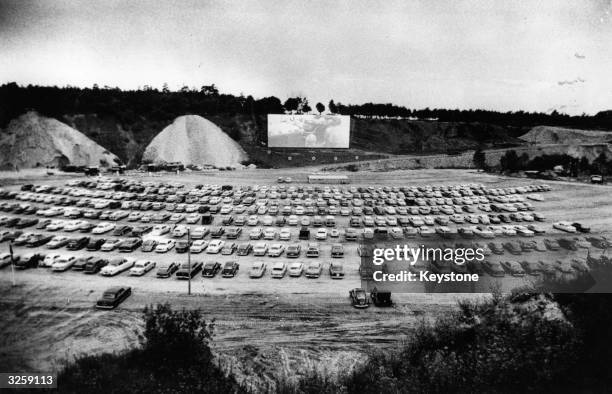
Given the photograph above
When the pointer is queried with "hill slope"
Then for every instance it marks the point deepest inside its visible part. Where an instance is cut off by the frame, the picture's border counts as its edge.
(559, 135)
(192, 139)
(32, 140)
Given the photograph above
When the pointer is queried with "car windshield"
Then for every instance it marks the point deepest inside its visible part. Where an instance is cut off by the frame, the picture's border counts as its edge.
(109, 296)
(209, 265)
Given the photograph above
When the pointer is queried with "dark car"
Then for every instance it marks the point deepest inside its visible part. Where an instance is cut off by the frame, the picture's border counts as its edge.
(233, 232)
(227, 220)
(29, 261)
(381, 297)
(42, 224)
(139, 231)
(95, 244)
(77, 243)
(167, 271)
(581, 228)
(230, 269)
(11, 222)
(244, 249)
(81, 263)
(358, 297)
(217, 232)
(475, 267)
(336, 270)
(568, 244)
(38, 240)
(86, 227)
(599, 242)
(187, 270)
(182, 246)
(211, 269)
(113, 297)
(122, 230)
(513, 247)
(149, 245)
(304, 233)
(26, 222)
(129, 245)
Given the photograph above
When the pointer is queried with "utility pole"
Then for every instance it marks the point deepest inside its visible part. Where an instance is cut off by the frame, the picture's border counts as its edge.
(189, 260)
(12, 263)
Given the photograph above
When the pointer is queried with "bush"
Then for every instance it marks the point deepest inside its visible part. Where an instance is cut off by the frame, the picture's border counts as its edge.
(175, 357)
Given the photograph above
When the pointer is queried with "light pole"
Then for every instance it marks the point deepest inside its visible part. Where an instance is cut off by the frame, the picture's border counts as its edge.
(12, 263)
(189, 260)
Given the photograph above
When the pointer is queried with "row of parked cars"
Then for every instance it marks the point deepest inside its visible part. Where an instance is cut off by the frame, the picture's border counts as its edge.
(139, 267)
(299, 201)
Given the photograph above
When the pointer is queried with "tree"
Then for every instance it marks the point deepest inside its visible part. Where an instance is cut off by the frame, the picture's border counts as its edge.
(479, 159)
(320, 108)
(292, 104)
(508, 162)
(305, 107)
(601, 163)
(332, 107)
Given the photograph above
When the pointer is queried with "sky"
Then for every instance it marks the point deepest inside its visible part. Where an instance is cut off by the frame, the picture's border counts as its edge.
(530, 55)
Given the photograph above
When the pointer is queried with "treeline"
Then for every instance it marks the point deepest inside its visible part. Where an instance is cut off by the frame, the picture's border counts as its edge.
(512, 162)
(162, 105)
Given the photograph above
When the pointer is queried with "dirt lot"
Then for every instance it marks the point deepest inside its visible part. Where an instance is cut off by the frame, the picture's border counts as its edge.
(264, 327)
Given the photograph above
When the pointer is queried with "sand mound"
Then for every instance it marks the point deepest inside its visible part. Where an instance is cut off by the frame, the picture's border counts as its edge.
(559, 135)
(191, 139)
(32, 140)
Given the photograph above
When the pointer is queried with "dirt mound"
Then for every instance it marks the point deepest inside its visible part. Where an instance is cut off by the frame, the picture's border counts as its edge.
(32, 140)
(559, 135)
(192, 139)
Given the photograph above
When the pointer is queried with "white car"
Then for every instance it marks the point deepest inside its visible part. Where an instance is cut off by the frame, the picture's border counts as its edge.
(215, 246)
(74, 225)
(198, 246)
(321, 234)
(293, 220)
(295, 269)
(160, 229)
(179, 231)
(192, 218)
(508, 230)
(117, 266)
(269, 233)
(110, 244)
(103, 228)
(50, 259)
(276, 250)
(279, 269)
(165, 245)
(141, 267)
(260, 249)
(483, 232)
(63, 263)
(57, 242)
(285, 234)
(56, 225)
(565, 226)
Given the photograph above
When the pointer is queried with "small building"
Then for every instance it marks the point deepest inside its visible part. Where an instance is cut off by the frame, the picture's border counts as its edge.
(334, 179)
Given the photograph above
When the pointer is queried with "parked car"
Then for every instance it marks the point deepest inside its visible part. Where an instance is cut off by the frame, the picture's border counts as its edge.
(63, 263)
(230, 269)
(257, 269)
(314, 269)
(336, 270)
(113, 297)
(279, 269)
(188, 270)
(210, 269)
(359, 298)
(165, 245)
(117, 265)
(167, 270)
(94, 265)
(295, 269)
(141, 267)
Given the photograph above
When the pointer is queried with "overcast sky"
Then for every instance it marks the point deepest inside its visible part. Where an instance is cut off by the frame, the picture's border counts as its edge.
(504, 55)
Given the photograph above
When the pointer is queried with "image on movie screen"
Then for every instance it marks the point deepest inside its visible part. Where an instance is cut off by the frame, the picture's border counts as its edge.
(309, 131)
